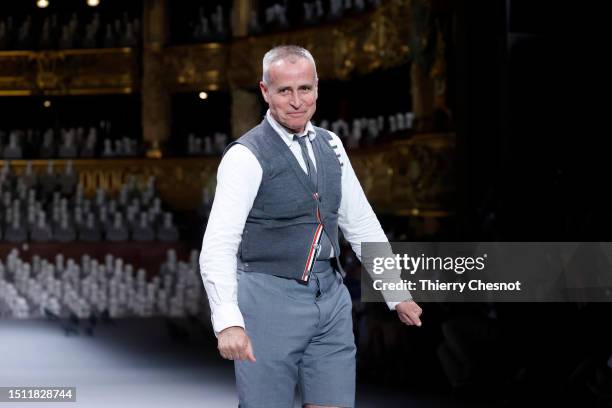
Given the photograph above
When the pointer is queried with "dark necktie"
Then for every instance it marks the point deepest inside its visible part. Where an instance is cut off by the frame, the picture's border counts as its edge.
(312, 171)
(325, 243)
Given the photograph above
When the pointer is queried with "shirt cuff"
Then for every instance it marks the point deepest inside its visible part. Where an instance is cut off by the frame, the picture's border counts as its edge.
(392, 305)
(226, 315)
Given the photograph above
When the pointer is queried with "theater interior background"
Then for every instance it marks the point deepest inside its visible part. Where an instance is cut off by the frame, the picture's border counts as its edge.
(456, 115)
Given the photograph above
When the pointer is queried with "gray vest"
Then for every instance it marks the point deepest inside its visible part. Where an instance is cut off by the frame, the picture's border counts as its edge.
(283, 231)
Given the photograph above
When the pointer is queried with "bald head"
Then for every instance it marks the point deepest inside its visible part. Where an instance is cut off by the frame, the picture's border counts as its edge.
(290, 54)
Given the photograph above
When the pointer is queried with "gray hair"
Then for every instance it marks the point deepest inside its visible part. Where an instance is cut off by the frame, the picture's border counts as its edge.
(282, 52)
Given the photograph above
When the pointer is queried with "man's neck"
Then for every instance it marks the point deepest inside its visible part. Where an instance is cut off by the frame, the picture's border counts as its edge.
(294, 131)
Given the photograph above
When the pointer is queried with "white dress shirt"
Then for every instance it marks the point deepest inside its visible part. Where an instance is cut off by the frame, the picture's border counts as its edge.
(238, 179)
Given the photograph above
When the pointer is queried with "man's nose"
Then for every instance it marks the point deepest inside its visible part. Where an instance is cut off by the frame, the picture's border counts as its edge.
(295, 100)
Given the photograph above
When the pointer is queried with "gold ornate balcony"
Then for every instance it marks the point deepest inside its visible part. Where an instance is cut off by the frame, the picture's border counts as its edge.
(69, 72)
(412, 177)
(353, 45)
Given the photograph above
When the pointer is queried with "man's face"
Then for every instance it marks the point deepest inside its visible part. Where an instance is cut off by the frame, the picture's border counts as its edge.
(291, 93)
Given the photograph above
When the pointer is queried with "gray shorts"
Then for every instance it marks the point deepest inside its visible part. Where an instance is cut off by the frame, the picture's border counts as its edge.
(302, 335)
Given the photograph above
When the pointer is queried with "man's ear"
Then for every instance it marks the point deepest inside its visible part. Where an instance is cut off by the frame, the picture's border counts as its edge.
(264, 90)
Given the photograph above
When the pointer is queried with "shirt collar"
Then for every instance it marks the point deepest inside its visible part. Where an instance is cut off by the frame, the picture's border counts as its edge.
(285, 134)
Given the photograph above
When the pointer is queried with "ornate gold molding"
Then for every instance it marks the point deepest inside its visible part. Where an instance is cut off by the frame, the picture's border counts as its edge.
(196, 67)
(412, 177)
(68, 72)
(356, 45)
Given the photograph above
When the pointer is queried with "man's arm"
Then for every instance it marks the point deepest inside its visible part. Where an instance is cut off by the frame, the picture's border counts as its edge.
(238, 179)
(359, 224)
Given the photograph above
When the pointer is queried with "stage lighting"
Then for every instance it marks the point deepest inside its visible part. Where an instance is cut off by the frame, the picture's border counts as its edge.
(42, 3)
(203, 95)
(93, 3)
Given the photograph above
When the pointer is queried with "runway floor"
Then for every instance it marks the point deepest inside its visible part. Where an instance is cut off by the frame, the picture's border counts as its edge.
(136, 363)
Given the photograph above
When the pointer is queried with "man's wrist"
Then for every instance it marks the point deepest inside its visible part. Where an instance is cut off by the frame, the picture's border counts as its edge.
(227, 329)
(392, 305)
(226, 315)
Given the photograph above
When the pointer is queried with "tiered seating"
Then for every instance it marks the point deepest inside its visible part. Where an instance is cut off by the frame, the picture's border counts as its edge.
(73, 30)
(66, 143)
(52, 207)
(64, 288)
(366, 131)
(277, 16)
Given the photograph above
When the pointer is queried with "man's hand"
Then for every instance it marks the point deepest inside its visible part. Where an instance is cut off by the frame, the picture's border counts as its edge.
(409, 313)
(234, 344)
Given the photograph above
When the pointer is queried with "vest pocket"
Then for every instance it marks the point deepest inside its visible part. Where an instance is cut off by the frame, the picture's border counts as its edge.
(290, 209)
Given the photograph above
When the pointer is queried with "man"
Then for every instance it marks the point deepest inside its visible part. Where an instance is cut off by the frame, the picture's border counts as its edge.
(279, 307)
